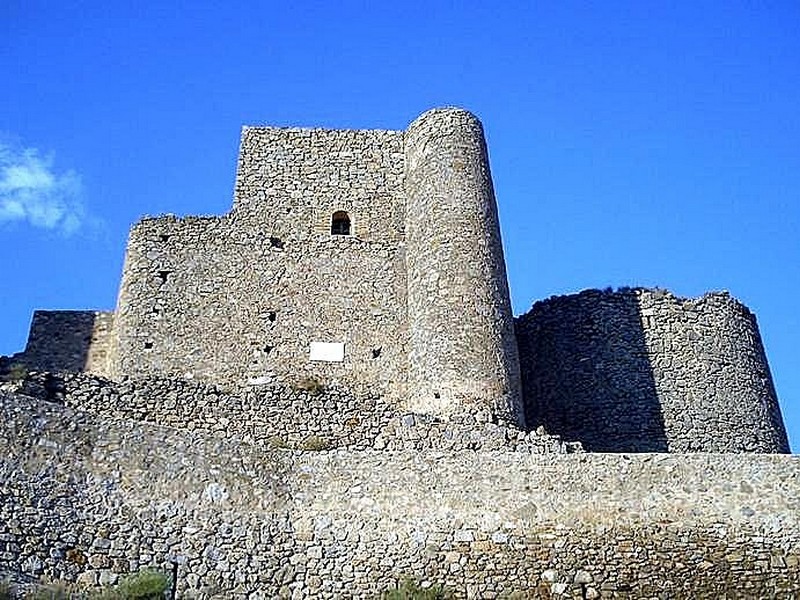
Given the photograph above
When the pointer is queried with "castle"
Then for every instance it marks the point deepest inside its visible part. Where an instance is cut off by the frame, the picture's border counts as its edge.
(373, 259)
(324, 392)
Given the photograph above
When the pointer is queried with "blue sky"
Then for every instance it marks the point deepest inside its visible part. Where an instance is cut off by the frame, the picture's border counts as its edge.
(632, 143)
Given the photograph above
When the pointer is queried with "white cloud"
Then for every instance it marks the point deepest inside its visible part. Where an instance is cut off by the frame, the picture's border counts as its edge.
(31, 190)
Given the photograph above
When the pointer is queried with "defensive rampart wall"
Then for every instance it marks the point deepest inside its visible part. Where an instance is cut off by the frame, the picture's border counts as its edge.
(642, 370)
(278, 416)
(243, 522)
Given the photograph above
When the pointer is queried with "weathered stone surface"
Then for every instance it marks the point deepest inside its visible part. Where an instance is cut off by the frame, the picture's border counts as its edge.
(68, 340)
(400, 447)
(349, 522)
(640, 370)
(412, 294)
(461, 336)
(281, 417)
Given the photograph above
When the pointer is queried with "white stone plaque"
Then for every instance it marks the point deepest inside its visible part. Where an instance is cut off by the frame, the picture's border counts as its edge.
(327, 351)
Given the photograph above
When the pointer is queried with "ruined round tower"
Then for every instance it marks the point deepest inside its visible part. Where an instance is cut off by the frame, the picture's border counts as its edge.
(462, 350)
(639, 370)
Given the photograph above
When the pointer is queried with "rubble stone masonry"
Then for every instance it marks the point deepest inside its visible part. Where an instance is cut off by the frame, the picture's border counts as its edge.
(88, 498)
(640, 370)
(324, 392)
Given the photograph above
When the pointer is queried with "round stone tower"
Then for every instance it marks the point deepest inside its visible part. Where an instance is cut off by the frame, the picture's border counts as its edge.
(462, 348)
(638, 370)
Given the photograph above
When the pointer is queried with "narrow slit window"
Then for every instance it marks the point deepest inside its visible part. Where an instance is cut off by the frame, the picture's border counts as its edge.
(340, 223)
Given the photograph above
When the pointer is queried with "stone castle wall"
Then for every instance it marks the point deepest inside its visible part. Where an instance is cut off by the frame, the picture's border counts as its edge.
(290, 181)
(112, 496)
(68, 340)
(244, 296)
(462, 346)
(642, 370)
(278, 416)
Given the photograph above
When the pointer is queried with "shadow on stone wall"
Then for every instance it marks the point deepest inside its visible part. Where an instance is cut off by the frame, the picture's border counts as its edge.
(61, 340)
(586, 375)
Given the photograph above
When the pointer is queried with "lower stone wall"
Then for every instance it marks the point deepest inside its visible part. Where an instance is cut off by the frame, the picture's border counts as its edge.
(88, 498)
(310, 416)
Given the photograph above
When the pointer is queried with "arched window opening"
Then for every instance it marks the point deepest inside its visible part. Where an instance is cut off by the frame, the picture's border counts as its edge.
(340, 223)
